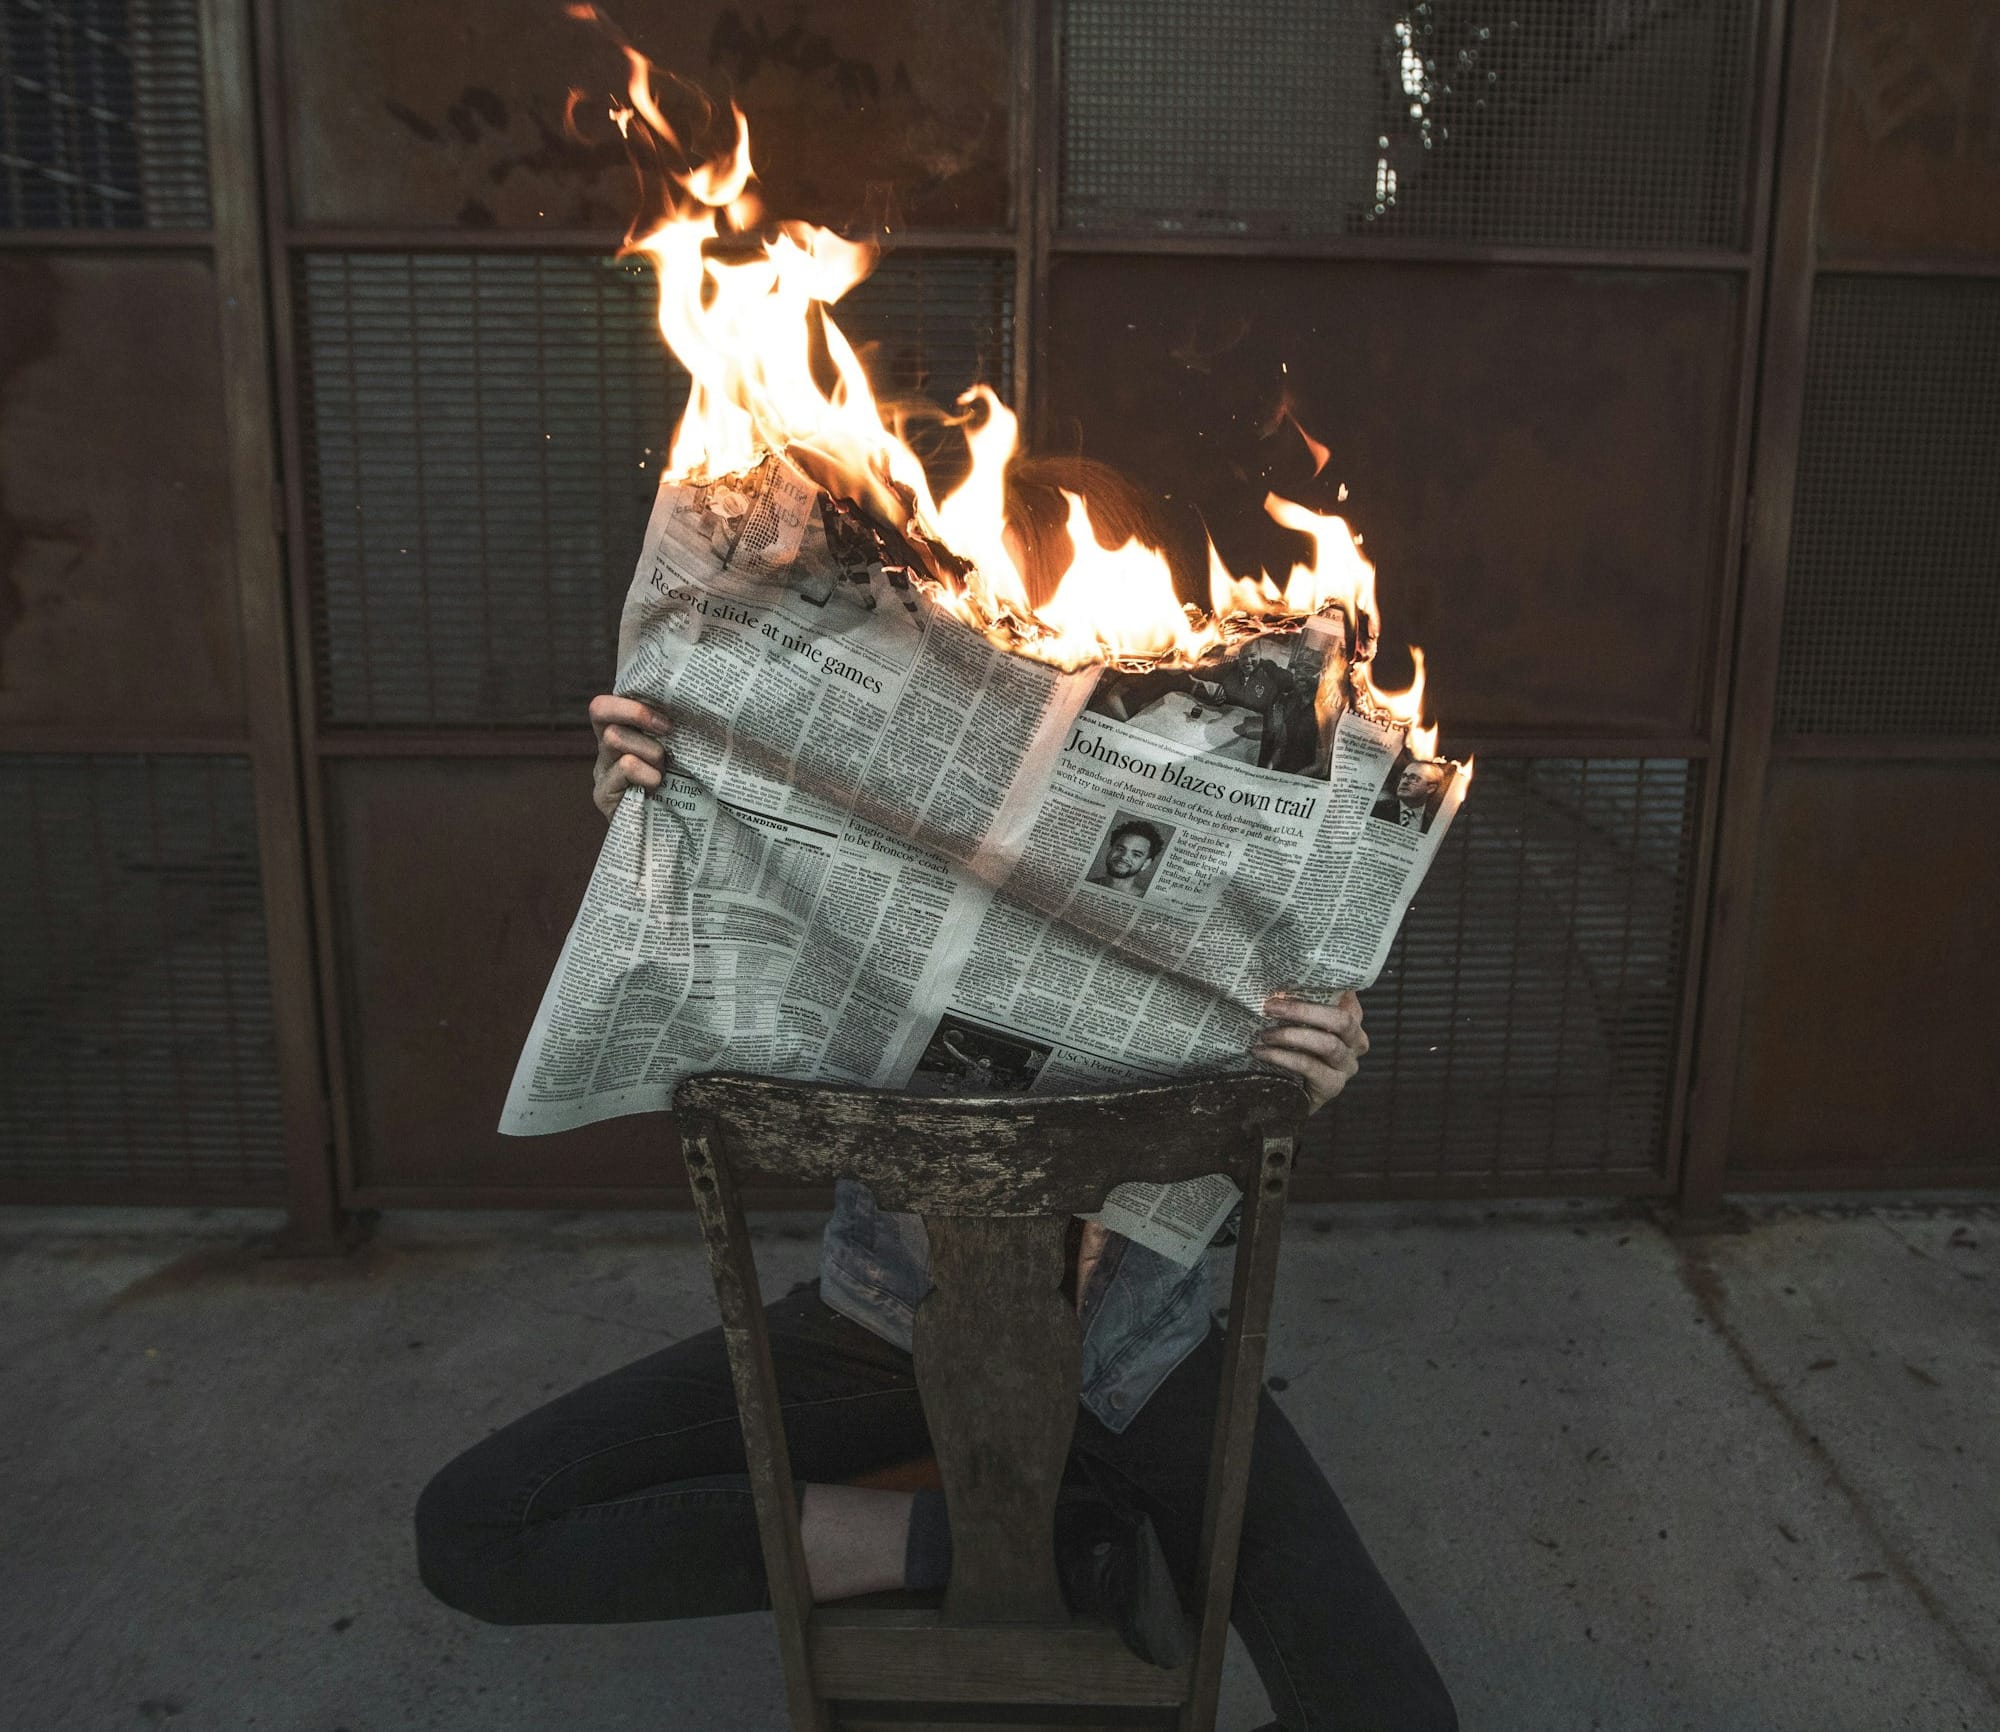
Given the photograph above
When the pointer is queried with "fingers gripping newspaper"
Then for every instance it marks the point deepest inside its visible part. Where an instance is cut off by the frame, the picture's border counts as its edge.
(889, 852)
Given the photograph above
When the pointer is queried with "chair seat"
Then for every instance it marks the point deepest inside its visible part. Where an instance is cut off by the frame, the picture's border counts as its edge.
(885, 1653)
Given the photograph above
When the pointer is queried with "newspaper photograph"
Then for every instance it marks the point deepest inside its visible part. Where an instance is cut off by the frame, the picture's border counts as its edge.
(892, 852)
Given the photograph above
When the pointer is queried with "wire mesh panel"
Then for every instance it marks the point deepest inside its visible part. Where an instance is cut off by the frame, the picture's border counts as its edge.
(1892, 600)
(485, 438)
(486, 433)
(135, 1004)
(101, 121)
(1555, 122)
(930, 326)
(1526, 1020)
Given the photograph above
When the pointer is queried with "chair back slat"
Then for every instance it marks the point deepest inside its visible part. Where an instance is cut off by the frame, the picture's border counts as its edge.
(1002, 1438)
(984, 1155)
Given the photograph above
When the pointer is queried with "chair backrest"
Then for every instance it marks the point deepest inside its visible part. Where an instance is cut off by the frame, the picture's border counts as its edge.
(995, 1180)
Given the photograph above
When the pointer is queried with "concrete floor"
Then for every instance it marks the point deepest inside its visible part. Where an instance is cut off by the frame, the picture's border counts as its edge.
(1620, 1480)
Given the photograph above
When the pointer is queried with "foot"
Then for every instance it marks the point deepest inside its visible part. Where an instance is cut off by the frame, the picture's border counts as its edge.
(1111, 1567)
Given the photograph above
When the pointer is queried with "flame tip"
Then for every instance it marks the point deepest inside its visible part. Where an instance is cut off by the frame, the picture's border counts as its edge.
(773, 373)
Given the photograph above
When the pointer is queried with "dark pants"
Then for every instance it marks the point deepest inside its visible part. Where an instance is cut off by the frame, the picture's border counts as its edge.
(580, 1511)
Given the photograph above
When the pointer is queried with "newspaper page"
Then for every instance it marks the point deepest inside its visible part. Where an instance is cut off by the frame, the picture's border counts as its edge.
(892, 853)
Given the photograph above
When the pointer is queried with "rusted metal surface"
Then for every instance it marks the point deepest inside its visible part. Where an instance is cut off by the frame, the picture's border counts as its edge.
(455, 883)
(1781, 385)
(1538, 461)
(1874, 972)
(414, 111)
(1394, 249)
(316, 1223)
(117, 584)
(1913, 131)
(1748, 360)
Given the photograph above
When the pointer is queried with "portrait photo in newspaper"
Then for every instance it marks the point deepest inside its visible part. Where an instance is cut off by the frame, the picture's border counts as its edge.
(1411, 793)
(1132, 852)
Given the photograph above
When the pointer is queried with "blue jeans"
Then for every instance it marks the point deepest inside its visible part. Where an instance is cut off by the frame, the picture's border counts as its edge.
(581, 1511)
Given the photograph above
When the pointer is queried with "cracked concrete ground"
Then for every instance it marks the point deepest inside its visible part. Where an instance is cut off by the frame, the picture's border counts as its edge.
(1621, 1480)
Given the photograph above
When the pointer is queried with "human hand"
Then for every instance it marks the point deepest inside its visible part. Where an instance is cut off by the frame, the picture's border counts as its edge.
(1320, 1044)
(631, 749)
(1089, 1251)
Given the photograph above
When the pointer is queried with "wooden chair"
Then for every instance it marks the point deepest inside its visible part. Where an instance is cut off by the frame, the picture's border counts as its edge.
(997, 1352)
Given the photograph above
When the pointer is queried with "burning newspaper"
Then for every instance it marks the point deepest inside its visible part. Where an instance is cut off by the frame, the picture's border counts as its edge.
(892, 852)
(946, 814)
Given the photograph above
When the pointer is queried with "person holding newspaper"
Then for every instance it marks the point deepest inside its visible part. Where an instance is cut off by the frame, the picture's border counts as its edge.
(627, 1499)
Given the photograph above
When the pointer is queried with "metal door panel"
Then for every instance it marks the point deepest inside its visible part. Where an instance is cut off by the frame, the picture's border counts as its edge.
(457, 880)
(1537, 459)
(411, 113)
(1913, 131)
(1873, 999)
(118, 612)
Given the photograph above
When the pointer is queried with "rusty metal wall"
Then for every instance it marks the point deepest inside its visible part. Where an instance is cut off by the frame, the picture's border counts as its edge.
(155, 1003)
(1506, 264)
(101, 117)
(1538, 460)
(444, 968)
(1652, 342)
(477, 402)
(115, 536)
(1913, 132)
(408, 114)
(460, 352)
(1848, 1013)
(1867, 1049)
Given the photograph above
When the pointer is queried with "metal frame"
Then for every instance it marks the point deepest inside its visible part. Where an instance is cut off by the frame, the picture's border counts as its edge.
(242, 293)
(1770, 99)
(279, 248)
(1780, 395)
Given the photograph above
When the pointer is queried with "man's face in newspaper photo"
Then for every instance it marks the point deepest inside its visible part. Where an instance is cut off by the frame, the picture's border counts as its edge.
(1129, 855)
(1413, 786)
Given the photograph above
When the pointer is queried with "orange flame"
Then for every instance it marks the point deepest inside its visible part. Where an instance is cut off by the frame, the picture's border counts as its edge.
(747, 313)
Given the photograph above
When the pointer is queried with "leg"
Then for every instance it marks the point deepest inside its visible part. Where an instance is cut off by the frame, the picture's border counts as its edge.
(626, 1500)
(1329, 1641)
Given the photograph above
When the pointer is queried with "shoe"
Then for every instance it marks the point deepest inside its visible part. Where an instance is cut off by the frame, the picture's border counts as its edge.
(1111, 1566)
